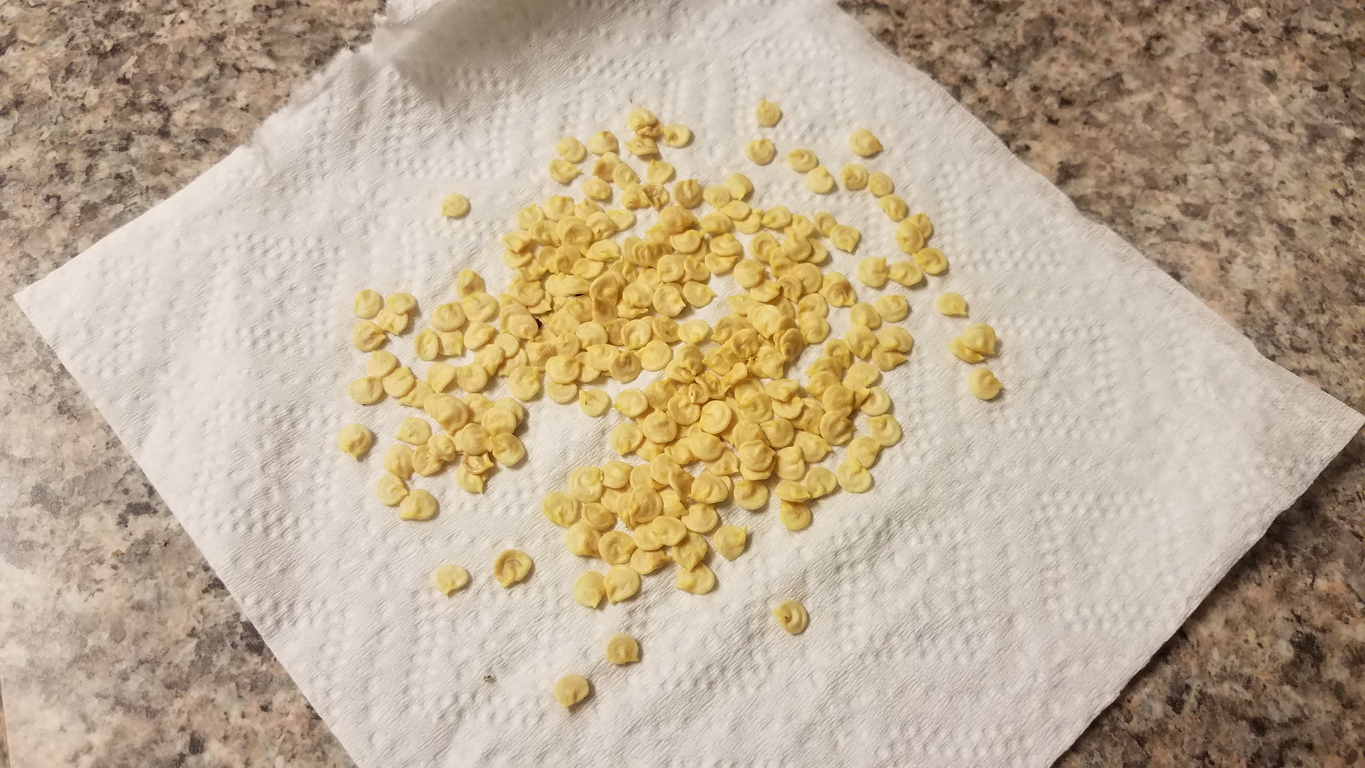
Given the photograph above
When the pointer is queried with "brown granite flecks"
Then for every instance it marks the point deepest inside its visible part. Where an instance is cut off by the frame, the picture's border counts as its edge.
(1221, 138)
(1224, 140)
(118, 646)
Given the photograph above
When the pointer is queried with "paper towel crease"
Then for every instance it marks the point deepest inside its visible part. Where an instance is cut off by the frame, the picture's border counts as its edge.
(1014, 564)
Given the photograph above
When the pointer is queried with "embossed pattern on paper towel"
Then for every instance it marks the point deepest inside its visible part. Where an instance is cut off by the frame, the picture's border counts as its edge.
(1021, 563)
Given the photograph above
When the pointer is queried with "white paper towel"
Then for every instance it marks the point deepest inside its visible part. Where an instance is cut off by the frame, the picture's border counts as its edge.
(1016, 562)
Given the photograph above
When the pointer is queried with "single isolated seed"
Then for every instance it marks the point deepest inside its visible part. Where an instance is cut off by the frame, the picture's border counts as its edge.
(355, 439)
(450, 578)
(767, 114)
(623, 649)
(454, 206)
(761, 151)
(863, 143)
(571, 689)
(983, 384)
(950, 304)
(511, 566)
(791, 616)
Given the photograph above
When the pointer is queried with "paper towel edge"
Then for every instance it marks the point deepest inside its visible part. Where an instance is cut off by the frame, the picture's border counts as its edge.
(1337, 422)
(30, 300)
(841, 25)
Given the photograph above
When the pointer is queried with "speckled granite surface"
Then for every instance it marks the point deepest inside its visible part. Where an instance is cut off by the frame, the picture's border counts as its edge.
(1220, 138)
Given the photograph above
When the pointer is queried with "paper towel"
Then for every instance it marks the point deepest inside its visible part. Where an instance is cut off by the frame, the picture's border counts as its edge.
(1015, 563)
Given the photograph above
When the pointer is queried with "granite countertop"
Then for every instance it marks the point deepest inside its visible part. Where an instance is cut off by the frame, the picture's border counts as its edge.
(1221, 138)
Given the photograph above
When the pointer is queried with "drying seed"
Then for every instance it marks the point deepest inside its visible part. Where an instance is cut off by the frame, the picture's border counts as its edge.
(979, 338)
(571, 689)
(625, 177)
(931, 260)
(983, 383)
(367, 304)
(854, 176)
(736, 209)
(795, 515)
(872, 272)
(560, 508)
(790, 490)
(963, 353)
(390, 489)
(425, 463)
(677, 135)
(381, 363)
(367, 336)
(893, 206)
(642, 146)
(581, 539)
(602, 142)
(670, 530)
(417, 505)
(597, 189)
(896, 339)
(355, 439)
(690, 551)
(646, 539)
(450, 578)
(414, 430)
(571, 149)
(594, 402)
(884, 429)
(511, 566)
(767, 114)
(694, 331)
(819, 481)
(400, 303)
(845, 238)
(589, 589)
(905, 273)
(864, 449)
(853, 477)
(645, 561)
(701, 518)
(442, 446)
(641, 120)
(777, 217)
(698, 580)
(623, 649)
(791, 616)
(621, 583)
(470, 482)
(730, 541)
(398, 460)
(658, 172)
(761, 151)
(820, 181)
(950, 304)
(863, 143)
(523, 383)
(739, 187)
(563, 171)
(454, 206)
(802, 160)
(687, 193)
(893, 307)
(615, 547)
(879, 184)
(864, 315)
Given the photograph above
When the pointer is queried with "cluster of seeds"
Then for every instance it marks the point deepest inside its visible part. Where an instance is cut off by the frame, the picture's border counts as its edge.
(721, 418)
